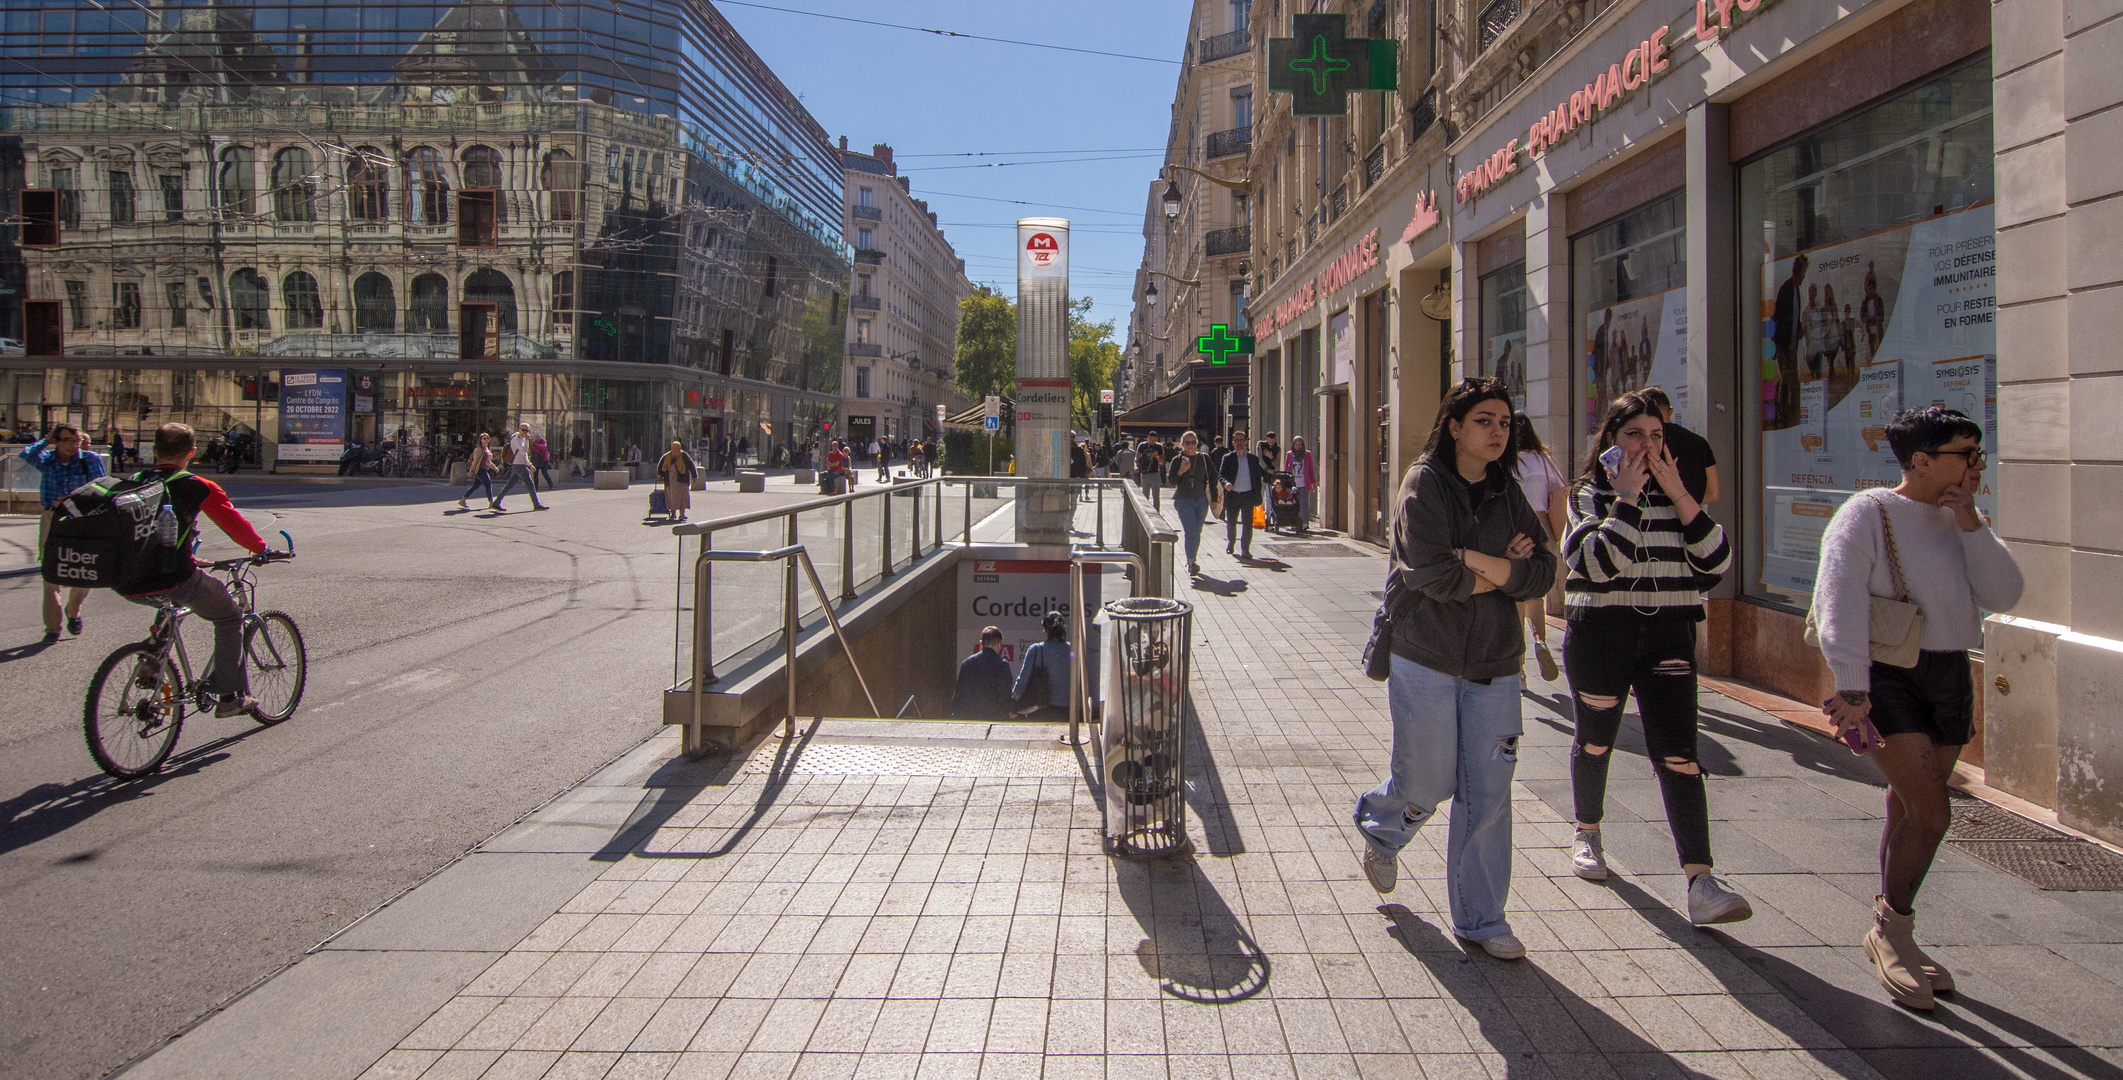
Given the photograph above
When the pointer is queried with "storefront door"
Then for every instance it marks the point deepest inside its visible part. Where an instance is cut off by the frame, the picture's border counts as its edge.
(1338, 479)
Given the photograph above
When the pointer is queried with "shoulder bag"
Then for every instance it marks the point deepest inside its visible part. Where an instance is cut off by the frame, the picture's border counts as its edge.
(1378, 652)
(1897, 624)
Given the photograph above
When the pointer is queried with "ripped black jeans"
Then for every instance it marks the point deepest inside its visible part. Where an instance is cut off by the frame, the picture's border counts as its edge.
(1606, 659)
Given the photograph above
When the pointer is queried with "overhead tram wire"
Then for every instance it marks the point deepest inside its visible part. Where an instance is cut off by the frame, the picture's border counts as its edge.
(1050, 161)
(1019, 153)
(949, 33)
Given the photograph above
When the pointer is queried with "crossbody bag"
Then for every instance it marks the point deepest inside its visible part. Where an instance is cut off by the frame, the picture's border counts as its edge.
(1896, 624)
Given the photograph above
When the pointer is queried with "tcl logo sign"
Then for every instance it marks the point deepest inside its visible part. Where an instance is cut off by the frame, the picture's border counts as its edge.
(1043, 249)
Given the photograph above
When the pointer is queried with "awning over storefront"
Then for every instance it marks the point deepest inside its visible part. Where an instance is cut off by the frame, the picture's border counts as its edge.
(1170, 413)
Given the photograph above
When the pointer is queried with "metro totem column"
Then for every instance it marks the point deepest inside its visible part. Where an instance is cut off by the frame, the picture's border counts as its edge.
(1043, 390)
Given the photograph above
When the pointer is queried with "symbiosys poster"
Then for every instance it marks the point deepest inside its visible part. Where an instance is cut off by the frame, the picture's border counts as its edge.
(1859, 331)
(1634, 344)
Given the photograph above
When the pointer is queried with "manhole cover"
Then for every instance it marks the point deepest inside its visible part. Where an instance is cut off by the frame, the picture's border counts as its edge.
(1974, 819)
(908, 760)
(1313, 551)
(2058, 865)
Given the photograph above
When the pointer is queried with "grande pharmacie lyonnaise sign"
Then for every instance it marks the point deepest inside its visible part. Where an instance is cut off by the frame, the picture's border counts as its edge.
(1630, 72)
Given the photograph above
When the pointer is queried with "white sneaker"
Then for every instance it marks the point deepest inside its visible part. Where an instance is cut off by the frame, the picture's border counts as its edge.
(1382, 870)
(1586, 859)
(1712, 901)
(1503, 947)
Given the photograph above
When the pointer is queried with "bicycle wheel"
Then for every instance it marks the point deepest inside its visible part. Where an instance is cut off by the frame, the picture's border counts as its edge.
(134, 709)
(276, 664)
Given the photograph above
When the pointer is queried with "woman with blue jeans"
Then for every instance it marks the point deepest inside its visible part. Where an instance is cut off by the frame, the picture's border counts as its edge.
(1465, 553)
(1194, 490)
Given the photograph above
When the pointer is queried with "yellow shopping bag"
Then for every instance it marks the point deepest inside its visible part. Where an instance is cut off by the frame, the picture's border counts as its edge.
(1260, 517)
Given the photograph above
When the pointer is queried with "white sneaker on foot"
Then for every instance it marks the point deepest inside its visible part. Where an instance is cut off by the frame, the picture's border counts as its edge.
(1383, 871)
(1586, 859)
(1503, 947)
(1712, 901)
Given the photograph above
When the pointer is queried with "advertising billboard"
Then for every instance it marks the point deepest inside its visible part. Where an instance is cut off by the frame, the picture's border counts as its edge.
(313, 413)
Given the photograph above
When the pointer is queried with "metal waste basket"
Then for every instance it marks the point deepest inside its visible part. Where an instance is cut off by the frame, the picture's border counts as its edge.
(1143, 732)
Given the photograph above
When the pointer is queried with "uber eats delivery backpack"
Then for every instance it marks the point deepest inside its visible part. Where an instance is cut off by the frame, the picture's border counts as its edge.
(116, 533)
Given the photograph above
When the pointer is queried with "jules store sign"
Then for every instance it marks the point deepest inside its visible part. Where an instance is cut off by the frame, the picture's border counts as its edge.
(1631, 72)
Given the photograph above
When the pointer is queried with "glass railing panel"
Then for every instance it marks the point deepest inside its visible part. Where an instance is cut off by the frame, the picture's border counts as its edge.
(822, 532)
(906, 508)
(869, 545)
(745, 598)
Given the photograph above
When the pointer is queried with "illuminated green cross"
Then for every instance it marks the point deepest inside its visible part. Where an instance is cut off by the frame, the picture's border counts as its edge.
(1319, 81)
(1219, 344)
(1319, 65)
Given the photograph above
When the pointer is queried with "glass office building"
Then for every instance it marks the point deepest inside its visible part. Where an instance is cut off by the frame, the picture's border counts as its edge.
(611, 219)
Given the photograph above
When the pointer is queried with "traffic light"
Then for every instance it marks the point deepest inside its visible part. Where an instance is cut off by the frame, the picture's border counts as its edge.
(250, 389)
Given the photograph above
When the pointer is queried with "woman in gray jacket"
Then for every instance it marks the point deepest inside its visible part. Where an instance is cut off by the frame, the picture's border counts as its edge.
(1465, 553)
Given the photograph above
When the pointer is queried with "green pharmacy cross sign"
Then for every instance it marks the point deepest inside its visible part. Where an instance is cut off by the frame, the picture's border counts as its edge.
(1321, 66)
(1219, 344)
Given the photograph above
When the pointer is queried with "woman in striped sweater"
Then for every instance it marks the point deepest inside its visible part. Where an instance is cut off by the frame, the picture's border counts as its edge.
(1640, 552)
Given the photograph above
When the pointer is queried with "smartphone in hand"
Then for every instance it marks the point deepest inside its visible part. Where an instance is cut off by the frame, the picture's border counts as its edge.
(1611, 460)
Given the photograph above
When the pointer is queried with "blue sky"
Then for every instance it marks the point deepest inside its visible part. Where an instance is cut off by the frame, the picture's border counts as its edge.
(931, 95)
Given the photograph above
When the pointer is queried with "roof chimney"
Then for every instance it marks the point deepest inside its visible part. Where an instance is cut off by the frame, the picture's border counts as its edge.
(843, 142)
(883, 153)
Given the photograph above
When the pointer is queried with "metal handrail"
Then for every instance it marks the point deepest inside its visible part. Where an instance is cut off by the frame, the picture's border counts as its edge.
(695, 528)
(1079, 686)
(789, 556)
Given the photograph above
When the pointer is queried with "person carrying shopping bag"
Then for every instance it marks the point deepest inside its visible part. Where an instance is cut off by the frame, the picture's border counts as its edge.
(1464, 554)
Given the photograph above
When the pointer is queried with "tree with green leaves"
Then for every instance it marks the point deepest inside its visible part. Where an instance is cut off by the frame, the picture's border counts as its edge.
(1094, 358)
(987, 344)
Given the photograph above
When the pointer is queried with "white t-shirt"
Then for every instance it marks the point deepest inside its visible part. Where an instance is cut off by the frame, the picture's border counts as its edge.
(1538, 478)
(519, 449)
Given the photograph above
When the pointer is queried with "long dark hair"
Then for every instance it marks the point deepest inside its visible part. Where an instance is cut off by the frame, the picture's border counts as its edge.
(1459, 401)
(1529, 438)
(1619, 411)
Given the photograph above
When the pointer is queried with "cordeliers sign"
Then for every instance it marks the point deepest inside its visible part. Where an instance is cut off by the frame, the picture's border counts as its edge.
(1361, 256)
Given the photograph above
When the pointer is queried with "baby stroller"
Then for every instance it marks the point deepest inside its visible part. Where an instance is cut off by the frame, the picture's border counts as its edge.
(1283, 515)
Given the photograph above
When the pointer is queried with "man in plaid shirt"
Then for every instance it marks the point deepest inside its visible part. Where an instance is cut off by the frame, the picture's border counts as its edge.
(65, 464)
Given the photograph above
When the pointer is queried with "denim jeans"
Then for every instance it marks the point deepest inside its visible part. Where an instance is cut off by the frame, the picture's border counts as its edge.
(1458, 739)
(1192, 512)
(479, 480)
(519, 474)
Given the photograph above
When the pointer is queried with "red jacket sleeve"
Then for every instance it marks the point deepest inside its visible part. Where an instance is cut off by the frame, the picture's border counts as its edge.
(222, 512)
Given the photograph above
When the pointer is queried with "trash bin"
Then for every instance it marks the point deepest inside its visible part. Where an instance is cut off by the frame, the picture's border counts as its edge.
(1143, 732)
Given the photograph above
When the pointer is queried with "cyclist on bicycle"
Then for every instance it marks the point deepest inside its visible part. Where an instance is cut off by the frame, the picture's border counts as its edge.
(192, 587)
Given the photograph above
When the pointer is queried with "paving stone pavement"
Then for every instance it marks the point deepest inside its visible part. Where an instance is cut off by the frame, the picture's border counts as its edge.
(792, 924)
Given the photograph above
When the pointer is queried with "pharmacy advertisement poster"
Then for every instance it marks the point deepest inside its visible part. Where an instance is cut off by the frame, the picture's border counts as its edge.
(1634, 344)
(1861, 330)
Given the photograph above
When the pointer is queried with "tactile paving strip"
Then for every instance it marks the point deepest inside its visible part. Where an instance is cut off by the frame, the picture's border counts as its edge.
(1313, 551)
(2057, 865)
(867, 759)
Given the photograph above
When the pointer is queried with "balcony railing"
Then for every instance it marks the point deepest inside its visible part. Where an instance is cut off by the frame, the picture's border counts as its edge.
(1227, 241)
(1422, 115)
(866, 348)
(1341, 202)
(1374, 165)
(870, 256)
(1223, 46)
(1227, 143)
(869, 213)
(863, 303)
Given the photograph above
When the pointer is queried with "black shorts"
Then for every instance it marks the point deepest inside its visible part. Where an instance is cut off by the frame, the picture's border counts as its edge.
(1936, 698)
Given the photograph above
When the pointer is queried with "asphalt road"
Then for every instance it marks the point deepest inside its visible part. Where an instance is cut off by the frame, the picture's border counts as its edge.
(464, 667)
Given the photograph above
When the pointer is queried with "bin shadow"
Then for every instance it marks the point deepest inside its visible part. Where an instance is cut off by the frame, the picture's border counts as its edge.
(1194, 946)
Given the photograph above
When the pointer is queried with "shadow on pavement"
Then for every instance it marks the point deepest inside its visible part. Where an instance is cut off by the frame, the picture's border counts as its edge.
(1211, 802)
(1194, 946)
(24, 652)
(1522, 1028)
(1233, 587)
(677, 781)
(47, 810)
(1891, 1039)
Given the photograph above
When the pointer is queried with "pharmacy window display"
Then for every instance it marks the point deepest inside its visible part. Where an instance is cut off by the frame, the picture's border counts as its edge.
(1631, 277)
(1871, 282)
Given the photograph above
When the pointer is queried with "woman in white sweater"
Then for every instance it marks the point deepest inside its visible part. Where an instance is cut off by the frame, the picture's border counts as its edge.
(1953, 567)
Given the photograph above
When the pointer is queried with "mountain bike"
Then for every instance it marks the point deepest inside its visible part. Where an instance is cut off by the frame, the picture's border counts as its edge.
(137, 701)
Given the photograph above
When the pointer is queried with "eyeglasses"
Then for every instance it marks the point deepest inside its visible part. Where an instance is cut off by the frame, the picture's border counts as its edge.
(1976, 459)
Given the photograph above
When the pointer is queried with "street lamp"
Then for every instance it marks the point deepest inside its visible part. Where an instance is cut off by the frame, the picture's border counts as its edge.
(1150, 294)
(1171, 199)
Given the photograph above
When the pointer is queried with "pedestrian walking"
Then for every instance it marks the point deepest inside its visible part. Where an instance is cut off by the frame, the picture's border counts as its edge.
(1046, 662)
(1124, 461)
(1924, 543)
(479, 470)
(1150, 469)
(542, 461)
(1549, 495)
(1463, 554)
(578, 461)
(117, 448)
(1244, 480)
(517, 456)
(1271, 452)
(1699, 463)
(1640, 552)
(1304, 472)
(1194, 491)
(675, 471)
(63, 463)
(983, 688)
